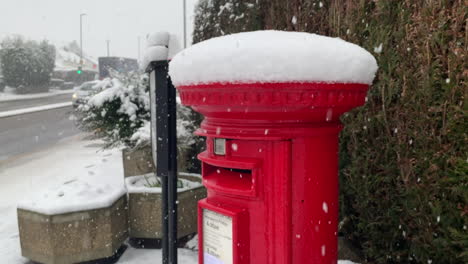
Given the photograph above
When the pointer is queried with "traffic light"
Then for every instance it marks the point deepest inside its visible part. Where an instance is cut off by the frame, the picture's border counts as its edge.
(79, 70)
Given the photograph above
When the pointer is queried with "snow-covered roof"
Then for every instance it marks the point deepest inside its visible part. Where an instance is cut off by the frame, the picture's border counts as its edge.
(68, 60)
(273, 56)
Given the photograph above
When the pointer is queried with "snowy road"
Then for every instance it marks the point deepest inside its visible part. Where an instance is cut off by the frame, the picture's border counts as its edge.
(11, 104)
(25, 133)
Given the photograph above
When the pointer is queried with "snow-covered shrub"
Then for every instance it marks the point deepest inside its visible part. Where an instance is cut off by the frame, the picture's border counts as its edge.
(27, 65)
(119, 113)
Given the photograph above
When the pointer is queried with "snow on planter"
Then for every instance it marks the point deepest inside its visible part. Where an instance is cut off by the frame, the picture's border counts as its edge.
(75, 222)
(148, 183)
(144, 205)
(73, 196)
(273, 56)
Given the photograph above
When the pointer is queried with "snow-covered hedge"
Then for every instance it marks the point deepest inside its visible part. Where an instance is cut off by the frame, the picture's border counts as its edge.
(119, 113)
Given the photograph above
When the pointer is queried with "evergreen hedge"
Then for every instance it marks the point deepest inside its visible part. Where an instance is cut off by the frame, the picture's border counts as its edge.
(403, 159)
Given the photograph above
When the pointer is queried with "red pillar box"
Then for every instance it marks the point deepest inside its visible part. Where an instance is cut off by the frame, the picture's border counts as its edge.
(271, 102)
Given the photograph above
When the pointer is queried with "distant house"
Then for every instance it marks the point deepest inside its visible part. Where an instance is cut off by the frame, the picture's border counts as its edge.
(67, 62)
(118, 64)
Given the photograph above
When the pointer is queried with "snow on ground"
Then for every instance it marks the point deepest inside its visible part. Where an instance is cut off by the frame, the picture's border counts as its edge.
(72, 159)
(145, 256)
(34, 109)
(273, 56)
(10, 95)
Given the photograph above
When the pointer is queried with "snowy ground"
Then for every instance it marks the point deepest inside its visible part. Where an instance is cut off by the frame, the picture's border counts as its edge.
(72, 158)
(9, 94)
(68, 160)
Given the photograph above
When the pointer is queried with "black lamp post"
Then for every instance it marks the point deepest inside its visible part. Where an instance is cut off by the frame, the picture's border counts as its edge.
(164, 142)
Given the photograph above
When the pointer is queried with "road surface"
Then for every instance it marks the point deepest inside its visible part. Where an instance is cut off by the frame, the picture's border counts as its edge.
(25, 103)
(26, 133)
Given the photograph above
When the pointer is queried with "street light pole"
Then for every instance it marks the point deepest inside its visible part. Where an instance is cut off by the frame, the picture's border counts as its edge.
(81, 38)
(108, 54)
(139, 45)
(185, 24)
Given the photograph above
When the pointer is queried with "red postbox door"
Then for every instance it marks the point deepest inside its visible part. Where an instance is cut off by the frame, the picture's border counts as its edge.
(248, 200)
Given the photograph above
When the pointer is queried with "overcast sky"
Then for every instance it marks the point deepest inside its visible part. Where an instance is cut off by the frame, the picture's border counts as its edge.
(120, 21)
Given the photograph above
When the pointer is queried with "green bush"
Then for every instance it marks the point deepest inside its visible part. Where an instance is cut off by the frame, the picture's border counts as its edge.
(27, 65)
(403, 166)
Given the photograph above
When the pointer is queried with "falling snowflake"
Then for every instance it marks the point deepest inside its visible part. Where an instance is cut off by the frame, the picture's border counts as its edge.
(325, 207)
(378, 49)
(294, 20)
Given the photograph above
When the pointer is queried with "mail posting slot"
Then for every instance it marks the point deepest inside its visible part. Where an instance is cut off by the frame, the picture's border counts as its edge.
(271, 159)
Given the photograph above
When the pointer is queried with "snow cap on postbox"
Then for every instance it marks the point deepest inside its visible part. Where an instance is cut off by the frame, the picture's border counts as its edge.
(273, 57)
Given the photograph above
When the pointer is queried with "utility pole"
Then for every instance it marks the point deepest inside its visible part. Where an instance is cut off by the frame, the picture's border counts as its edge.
(108, 41)
(185, 24)
(81, 38)
(139, 45)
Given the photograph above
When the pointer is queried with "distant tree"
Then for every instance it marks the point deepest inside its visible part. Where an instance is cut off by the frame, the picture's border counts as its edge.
(13, 62)
(47, 58)
(27, 65)
(73, 47)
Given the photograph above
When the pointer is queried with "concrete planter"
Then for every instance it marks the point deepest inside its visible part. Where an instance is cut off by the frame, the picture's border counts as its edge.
(145, 212)
(73, 237)
(137, 161)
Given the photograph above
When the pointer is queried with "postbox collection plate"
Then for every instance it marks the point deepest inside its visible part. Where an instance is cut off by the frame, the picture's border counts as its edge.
(217, 238)
(220, 146)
